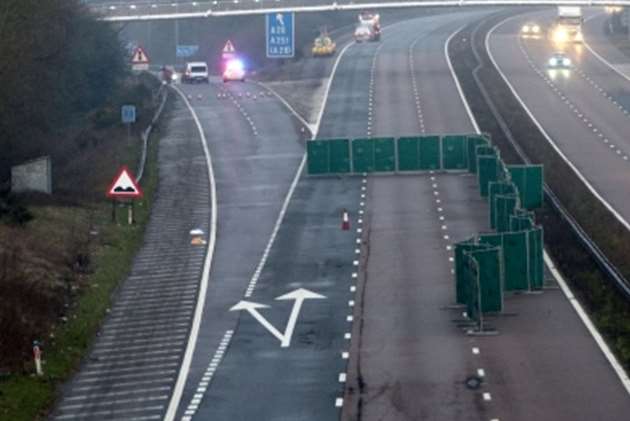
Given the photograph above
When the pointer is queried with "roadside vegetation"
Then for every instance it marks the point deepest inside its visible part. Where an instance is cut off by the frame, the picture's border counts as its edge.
(64, 79)
(499, 113)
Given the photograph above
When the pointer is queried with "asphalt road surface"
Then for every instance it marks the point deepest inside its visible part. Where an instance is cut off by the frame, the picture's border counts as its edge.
(256, 149)
(585, 112)
(373, 336)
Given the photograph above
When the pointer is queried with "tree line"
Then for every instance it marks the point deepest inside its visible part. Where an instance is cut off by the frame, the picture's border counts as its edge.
(58, 63)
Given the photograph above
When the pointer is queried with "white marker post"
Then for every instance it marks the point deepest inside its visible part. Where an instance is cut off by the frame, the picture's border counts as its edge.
(37, 356)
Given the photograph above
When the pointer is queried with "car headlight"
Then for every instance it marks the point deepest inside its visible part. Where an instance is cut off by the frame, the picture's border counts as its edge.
(560, 35)
(553, 62)
(525, 28)
(566, 62)
(535, 29)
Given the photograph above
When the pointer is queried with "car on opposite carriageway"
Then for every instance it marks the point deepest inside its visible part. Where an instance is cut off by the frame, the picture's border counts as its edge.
(559, 60)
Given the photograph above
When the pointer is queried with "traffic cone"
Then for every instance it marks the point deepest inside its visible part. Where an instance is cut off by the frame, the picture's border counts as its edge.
(345, 221)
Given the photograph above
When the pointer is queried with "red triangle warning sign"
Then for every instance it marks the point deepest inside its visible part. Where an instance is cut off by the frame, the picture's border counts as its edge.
(229, 48)
(124, 185)
(139, 56)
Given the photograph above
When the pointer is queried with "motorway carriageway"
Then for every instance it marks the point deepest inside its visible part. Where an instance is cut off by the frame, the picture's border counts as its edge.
(387, 286)
(374, 335)
(587, 114)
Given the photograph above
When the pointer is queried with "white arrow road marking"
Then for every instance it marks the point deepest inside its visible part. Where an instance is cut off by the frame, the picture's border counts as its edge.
(299, 295)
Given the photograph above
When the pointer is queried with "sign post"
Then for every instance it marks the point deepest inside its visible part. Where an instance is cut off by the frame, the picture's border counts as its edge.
(124, 186)
(280, 36)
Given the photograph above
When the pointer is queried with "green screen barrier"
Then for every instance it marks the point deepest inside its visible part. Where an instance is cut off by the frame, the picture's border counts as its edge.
(515, 261)
(384, 155)
(317, 157)
(430, 153)
(487, 170)
(529, 180)
(339, 156)
(489, 282)
(363, 155)
(409, 154)
(515, 258)
(472, 143)
(495, 188)
(454, 152)
(504, 208)
(462, 280)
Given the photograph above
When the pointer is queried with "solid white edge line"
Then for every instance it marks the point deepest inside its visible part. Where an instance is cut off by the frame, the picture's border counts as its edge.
(328, 86)
(544, 133)
(612, 360)
(457, 84)
(194, 331)
(621, 373)
(599, 57)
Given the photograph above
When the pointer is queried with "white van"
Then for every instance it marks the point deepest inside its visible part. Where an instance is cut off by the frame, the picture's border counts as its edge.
(195, 72)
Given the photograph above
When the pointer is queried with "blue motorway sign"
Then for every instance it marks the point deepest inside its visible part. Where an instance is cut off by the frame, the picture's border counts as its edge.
(187, 50)
(128, 114)
(280, 35)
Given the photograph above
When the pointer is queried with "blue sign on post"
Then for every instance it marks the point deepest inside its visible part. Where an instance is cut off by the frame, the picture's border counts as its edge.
(128, 114)
(184, 51)
(280, 35)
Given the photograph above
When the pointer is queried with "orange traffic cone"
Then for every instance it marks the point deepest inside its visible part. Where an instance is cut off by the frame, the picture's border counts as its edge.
(345, 221)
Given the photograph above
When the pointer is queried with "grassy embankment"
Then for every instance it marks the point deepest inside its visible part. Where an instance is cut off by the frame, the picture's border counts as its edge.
(60, 232)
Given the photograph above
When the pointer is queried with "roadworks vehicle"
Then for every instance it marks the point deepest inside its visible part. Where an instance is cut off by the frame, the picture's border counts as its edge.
(369, 27)
(323, 46)
(234, 70)
(568, 25)
(531, 30)
(195, 72)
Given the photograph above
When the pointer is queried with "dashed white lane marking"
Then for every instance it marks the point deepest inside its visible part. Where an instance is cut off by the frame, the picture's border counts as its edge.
(481, 372)
(567, 101)
(342, 377)
(339, 402)
(487, 397)
(345, 355)
(414, 84)
(208, 375)
(475, 351)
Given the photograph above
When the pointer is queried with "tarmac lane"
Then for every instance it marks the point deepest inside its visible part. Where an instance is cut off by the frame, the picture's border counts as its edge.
(409, 359)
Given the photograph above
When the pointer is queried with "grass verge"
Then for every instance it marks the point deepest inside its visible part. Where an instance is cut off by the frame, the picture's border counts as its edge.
(499, 113)
(24, 396)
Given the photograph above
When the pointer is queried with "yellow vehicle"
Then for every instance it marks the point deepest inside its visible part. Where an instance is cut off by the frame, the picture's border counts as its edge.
(324, 46)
